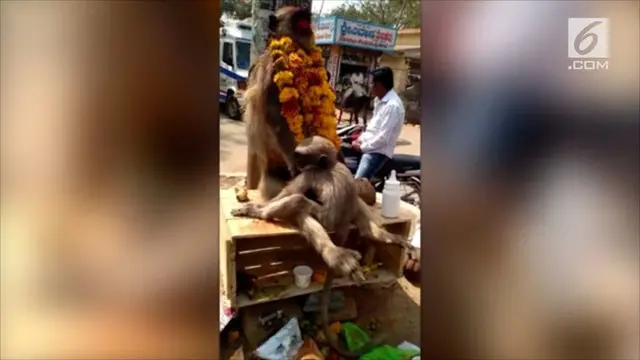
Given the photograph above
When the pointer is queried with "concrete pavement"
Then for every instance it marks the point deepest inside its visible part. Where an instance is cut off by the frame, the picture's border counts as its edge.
(233, 144)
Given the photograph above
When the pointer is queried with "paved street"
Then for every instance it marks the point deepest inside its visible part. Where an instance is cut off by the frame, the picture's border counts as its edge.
(233, 144)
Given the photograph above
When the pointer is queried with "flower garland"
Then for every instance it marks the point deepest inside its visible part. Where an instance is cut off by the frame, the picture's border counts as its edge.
(307, 100)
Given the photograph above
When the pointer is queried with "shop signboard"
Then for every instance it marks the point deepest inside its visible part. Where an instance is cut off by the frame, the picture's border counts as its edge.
(324, 29)
(364, 35)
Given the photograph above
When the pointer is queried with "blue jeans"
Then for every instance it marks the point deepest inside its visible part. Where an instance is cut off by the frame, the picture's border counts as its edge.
(370, 164)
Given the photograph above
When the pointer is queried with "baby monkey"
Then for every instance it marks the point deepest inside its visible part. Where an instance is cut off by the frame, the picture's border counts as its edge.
(323, 197)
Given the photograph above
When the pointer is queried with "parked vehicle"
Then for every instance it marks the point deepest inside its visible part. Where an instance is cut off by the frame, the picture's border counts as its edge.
(407, 167)
(235, 59)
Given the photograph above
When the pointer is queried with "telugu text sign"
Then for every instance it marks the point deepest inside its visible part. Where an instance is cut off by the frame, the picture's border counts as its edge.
(364, 35)
(324, 30)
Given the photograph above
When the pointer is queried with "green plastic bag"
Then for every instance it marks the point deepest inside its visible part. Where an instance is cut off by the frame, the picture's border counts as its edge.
(355, 336)
(387, 352)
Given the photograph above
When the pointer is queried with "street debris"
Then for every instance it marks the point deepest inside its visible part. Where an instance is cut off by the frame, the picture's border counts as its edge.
(291, 331)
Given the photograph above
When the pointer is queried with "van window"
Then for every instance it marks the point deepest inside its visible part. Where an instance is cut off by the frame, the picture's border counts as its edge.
(227, 54)
(243, 55)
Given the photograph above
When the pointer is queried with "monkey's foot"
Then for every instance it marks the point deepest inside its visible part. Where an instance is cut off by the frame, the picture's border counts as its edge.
(249, 210)
(345, 262)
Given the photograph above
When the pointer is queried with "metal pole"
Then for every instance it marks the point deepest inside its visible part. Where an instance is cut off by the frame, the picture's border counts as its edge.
(321, 7)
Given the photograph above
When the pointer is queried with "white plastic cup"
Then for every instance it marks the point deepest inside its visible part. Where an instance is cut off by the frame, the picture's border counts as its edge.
(302, 276)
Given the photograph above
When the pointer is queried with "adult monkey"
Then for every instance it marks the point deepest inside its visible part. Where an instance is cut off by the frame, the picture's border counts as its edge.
(333, 187)
(328, 185)
(271, 145)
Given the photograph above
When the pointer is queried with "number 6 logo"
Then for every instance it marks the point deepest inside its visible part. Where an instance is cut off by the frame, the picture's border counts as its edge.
(584, 35)
(588, 38)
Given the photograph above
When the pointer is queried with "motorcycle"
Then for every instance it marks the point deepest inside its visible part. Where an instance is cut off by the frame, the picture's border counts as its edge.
(407, 166)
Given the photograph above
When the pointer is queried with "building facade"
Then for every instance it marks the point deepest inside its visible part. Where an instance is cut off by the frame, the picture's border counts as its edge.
(352, 46)
(405, 61)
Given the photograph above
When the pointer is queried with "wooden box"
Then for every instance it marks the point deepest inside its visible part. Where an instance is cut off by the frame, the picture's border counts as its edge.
(263, 254)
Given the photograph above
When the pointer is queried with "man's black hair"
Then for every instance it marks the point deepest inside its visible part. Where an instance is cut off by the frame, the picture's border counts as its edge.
(384, 76)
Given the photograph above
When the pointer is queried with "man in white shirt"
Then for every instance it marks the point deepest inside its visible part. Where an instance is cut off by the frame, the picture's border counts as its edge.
(378, 141)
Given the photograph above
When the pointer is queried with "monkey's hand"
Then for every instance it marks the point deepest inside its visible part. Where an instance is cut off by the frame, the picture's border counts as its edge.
(293, 170)
(386, 237)
(345, 262)
(396, 239)
(251, 210)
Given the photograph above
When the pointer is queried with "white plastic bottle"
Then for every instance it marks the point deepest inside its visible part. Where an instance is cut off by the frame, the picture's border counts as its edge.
(391, 197)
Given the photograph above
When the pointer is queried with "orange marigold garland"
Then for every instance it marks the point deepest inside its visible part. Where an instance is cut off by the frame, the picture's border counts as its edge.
(307, 100)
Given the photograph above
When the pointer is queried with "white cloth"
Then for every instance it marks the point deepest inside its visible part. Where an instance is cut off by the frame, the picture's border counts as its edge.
(358, 90)
(385, 126)
(357, 78)
(415, 239)
(284, 345)
(357, 84)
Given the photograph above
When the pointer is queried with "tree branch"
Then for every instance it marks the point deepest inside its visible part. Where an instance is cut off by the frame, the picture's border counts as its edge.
(399, 18)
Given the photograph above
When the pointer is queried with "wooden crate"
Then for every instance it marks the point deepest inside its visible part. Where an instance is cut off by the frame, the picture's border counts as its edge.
(267, 252)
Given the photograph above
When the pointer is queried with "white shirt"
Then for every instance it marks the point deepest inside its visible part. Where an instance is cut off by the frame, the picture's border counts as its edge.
(385, 126)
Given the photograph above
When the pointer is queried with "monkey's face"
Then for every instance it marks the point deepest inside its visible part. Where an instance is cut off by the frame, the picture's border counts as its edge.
(309, 162)
(295, 23)
(315, 153)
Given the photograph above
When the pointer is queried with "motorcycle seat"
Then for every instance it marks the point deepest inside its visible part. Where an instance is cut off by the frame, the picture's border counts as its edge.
(410, 173)
(406, 161)
(352, 163)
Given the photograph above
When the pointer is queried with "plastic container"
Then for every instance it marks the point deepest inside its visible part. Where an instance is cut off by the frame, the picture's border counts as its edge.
(391, 197)
(302, 276)
(411, 349)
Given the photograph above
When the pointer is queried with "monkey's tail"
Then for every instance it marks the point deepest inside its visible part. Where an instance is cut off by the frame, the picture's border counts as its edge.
(330, 336)
(315, 233)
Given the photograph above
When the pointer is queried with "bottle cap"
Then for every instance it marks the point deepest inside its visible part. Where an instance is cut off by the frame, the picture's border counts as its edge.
(392, 178)
(392, 184)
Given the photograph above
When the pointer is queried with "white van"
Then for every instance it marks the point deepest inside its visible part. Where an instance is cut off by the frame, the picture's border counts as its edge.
(235, 59)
